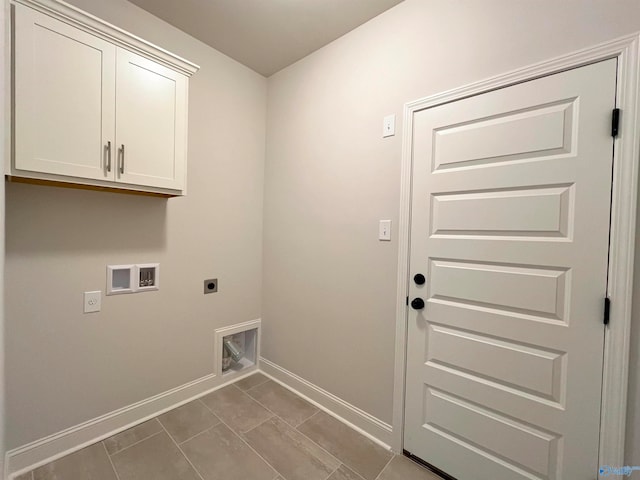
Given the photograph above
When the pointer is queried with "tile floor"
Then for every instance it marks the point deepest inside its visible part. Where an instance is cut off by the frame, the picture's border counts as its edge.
(254, 429)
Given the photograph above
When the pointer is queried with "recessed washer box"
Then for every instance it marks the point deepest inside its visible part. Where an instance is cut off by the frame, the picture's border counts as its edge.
(148, 277)
(120, 279)
(142, 277)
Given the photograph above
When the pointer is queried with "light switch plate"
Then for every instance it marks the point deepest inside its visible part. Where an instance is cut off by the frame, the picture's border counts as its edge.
(389, 126)
(92, 301)
(384, 232)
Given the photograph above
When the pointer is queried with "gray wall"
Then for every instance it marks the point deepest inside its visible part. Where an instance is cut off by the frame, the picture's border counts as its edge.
(64, 367)
(329, 284)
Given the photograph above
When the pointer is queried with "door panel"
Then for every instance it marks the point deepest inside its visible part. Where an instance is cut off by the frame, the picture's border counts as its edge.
(510, 224)
(485, 430)
(533, 132)
(544, 212)
(151, 104)
(55, 62)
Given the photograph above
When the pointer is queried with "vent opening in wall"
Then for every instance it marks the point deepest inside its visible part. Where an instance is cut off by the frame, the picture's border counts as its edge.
(237, 349)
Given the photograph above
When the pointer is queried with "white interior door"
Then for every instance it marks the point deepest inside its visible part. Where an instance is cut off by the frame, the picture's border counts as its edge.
(510, 226)
(150, 126)
(55, 62)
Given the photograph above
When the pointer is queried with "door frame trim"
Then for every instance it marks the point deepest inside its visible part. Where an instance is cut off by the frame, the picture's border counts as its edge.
(623, 229)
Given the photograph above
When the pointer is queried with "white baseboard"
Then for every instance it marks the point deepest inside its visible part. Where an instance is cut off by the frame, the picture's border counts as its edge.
(45, 450)
(361, 421)
(48, 449)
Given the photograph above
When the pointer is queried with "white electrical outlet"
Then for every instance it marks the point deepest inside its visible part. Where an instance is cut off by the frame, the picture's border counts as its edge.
(92, 301)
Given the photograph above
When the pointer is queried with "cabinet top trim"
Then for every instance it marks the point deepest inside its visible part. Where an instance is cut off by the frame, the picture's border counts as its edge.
(94, 25)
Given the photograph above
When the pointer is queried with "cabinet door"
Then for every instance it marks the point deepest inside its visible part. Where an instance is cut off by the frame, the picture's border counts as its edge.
(64, 98)
(151, 109)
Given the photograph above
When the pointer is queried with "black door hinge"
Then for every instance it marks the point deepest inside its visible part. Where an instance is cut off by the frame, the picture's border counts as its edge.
(407, 300)
(615, 122)
(607, 309)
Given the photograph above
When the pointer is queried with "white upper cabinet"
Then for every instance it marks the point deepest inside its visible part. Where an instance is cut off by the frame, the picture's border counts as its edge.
(151, 106)
(94, 105)
(64, 93)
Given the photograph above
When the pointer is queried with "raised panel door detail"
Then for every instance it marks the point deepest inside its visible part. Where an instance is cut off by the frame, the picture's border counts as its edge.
(531, 133)
(524, 289)
(150, 122)
(64, 88)
(513, 364)
(526, 213)
(526, 451)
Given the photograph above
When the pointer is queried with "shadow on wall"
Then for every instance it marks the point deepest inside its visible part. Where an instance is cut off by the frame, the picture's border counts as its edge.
(43, 219)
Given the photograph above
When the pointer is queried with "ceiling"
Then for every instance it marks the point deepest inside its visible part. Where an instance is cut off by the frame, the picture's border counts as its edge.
(266, 35)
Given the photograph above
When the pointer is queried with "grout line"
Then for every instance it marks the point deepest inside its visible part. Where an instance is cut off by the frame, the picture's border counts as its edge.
(299, 432)
(110, 461)
(307, 419)
(182, 452)
(317, 410)
(247, 443)
(133, 444)
(266, 379)
(336, 469)
(385, 467)
(341, 461)
(201, 433)
(260, 424)
(206, 429)
(393, 455)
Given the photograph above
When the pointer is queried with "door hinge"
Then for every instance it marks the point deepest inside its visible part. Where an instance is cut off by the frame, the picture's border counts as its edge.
(407, 300)
(607, 309)
(615, 122)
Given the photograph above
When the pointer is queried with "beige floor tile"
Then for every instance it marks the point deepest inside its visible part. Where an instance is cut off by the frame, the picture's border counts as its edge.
(287, 405)
(127, 438)
(156, 458)
(252, 381)
(345, 473)
(190, 419)
(236, 409)
(356, 451)
(219, 453)
(401, 468)
(289, 452)
(90, 463)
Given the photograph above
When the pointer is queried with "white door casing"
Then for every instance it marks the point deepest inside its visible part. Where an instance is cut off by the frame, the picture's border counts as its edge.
(623, 229)
(510, 224)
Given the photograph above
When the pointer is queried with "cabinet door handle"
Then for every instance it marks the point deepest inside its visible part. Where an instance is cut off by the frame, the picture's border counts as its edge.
(108, 156)
(121, 159)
